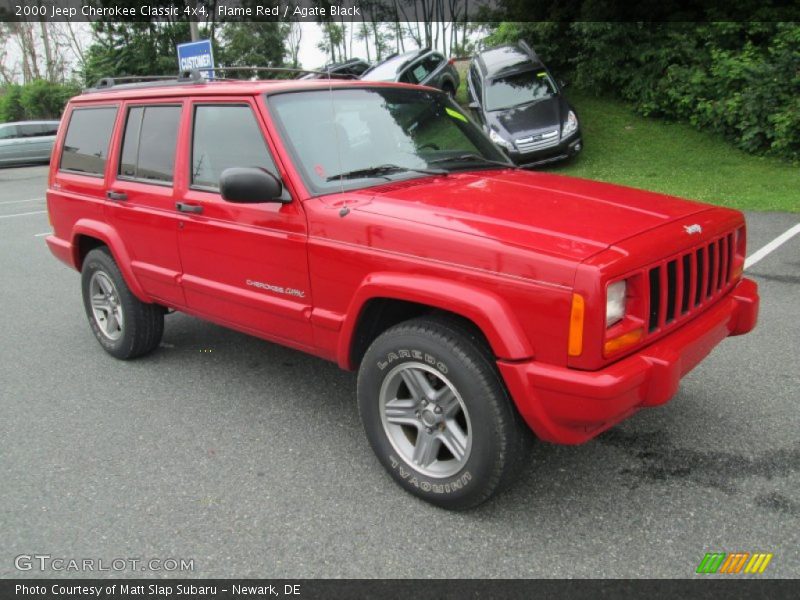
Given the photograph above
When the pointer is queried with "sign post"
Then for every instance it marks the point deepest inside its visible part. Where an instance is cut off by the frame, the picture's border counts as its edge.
(196, 55)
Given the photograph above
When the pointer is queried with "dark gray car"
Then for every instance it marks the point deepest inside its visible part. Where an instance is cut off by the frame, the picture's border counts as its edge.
(424, 67)
(522, 106)
(25, 142)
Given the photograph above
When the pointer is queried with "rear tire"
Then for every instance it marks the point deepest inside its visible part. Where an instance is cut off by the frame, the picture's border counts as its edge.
(125, 326)
(437, 413)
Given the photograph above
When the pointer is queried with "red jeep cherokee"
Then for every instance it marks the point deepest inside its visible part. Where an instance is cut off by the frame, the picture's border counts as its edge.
(376, 226)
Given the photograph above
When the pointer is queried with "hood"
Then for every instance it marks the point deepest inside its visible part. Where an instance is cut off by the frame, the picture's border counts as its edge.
(543, 115)
(561, 216)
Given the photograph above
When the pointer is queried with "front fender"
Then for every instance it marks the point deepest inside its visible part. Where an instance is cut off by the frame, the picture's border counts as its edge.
(488, 311)
(109, 236)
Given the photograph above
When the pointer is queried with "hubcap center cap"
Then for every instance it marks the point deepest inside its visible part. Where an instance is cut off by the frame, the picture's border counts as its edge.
(428, 418)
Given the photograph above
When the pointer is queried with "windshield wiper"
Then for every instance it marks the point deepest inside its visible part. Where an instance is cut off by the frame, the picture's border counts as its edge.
(473, 157)
(382, 171)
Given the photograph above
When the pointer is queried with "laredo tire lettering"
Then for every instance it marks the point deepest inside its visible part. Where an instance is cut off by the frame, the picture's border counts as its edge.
(437, 488)
(417, 354)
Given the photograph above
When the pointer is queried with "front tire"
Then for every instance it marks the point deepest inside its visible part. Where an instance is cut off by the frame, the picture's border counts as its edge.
(437, 414)
(125, 326)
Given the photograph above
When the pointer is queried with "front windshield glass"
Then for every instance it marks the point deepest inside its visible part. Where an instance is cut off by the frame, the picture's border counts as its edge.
(354, 138)
(517, 89)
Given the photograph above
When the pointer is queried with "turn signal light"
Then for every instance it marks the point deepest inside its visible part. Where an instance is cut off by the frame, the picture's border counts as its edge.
(623, 341)
(575, 346)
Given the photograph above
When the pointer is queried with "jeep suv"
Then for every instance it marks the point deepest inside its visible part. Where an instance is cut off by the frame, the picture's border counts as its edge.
(375, 225)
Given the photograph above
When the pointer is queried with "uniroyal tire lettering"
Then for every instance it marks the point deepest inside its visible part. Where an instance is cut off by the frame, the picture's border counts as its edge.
(416, 354)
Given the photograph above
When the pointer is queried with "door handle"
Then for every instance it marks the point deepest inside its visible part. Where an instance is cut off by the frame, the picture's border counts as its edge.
(189, 208)
(119, 196)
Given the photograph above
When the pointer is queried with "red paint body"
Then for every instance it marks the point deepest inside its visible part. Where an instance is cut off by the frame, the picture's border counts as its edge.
(505, 249)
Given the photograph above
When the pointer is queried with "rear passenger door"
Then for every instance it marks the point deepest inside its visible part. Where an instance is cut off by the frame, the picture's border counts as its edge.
(244, 265)
(141, 196)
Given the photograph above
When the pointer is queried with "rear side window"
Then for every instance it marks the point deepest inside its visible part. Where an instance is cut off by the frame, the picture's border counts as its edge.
(226, 136)
(148, 148)
(86, 143)
(8, 132)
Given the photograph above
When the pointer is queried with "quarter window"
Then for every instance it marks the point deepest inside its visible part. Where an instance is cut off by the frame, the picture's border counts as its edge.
(86, 143)
(151, 136)
(226, 136)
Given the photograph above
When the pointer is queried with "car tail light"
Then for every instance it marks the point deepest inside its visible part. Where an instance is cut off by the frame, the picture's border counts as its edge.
(451, 61)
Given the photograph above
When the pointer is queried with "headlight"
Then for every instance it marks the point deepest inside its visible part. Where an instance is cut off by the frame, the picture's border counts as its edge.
(571, 126)
(615, 302)
(497, 139)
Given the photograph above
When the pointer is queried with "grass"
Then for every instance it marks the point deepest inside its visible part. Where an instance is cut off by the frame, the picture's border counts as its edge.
(672, 158)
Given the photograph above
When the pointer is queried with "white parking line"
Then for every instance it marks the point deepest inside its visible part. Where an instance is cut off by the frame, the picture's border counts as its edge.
(43, 234)
(21, 201)
(766, 249)
(36, 212)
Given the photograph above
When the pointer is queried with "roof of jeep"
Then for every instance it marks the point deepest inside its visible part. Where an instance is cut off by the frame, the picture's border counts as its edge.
(172, 89)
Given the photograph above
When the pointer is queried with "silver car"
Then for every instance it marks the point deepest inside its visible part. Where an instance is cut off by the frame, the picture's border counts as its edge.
(425, 67)
(25, 142)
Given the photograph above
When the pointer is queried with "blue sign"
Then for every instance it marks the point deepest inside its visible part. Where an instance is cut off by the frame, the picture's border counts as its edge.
(196, 55)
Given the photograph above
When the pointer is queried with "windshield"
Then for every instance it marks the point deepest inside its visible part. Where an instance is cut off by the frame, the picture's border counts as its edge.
(520, 88)
(354, 138)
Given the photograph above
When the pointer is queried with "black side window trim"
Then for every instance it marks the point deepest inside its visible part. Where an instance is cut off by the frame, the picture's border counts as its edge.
(102, 175)
(144, 106)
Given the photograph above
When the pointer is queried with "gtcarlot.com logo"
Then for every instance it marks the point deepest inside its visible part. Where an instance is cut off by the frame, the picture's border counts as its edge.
(46, 562)
(733, 563)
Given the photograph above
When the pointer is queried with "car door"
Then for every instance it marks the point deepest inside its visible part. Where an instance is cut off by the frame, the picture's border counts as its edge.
(244, 265)
(9, 148)
(141, 196)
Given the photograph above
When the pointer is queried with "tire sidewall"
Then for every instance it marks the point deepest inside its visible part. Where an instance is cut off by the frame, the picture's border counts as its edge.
(478, 477)
(98, 260)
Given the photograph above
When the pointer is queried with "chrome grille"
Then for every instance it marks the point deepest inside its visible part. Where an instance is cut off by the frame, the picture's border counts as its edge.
(539, 141)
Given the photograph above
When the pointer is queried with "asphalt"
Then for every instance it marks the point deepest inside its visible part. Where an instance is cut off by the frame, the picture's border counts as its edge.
(249, 458)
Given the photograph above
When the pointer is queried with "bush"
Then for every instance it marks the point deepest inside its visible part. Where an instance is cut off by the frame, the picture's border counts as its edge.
(36, 100)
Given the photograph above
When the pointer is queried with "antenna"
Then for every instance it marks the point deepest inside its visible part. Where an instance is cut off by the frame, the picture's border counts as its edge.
(344, 210)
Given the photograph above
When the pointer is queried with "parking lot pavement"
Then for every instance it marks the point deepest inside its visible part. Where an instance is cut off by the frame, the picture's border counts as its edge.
(249, 458)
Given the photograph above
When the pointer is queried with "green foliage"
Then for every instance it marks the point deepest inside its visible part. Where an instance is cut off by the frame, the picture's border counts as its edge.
(11, 104)
(741, 80)
(39, 99)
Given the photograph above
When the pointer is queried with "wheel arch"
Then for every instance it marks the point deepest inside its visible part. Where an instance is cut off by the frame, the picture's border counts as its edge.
(88, 235)
(385, 299)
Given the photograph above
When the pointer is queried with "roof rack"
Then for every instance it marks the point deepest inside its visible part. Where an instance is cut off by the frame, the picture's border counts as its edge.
(275, 70)
(524, 45)
(190, 76)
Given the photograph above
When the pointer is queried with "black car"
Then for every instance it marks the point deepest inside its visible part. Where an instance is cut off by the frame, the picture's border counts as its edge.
(353, 67)
(522, 107)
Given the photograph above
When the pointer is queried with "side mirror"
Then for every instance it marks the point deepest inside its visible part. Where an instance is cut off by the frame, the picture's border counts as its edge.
(249, 185)
(474, 106)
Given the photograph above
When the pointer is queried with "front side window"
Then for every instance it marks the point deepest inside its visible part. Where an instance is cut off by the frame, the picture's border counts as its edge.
(87, 140)
(150, 142)
(226, 136)
(338, 138)
(518, 89)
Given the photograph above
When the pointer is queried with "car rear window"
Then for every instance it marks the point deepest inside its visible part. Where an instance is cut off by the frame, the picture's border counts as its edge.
(151, 137)
(87, 140)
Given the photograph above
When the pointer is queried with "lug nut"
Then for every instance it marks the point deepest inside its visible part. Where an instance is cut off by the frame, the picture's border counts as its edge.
(437, 410)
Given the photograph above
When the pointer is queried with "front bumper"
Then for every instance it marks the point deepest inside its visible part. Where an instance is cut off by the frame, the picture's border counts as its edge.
(569, 406)
(564, 150)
